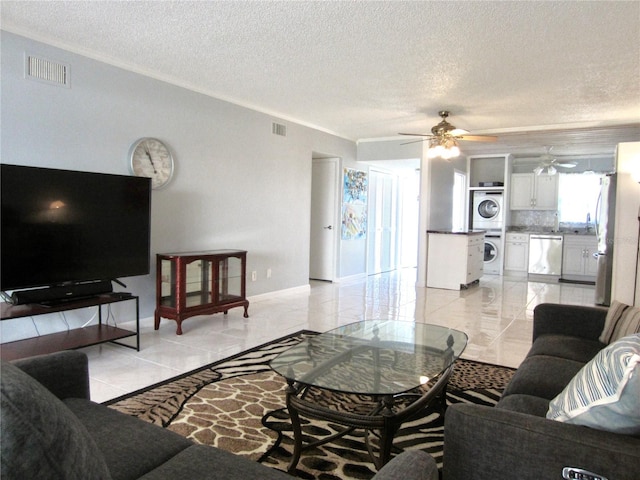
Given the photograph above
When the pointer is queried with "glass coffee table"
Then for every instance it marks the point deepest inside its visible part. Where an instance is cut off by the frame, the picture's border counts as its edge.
(396, 368)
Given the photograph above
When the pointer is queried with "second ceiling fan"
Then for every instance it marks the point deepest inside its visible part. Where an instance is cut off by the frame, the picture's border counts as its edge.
(550, 162)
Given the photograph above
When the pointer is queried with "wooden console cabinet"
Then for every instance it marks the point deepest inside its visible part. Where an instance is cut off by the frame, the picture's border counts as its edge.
(69, 339)
(199, 283)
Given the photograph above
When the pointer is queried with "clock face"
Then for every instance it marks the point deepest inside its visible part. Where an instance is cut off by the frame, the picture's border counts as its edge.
(151, 158)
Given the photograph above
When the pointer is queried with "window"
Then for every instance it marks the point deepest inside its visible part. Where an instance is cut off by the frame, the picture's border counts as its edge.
(577, 197)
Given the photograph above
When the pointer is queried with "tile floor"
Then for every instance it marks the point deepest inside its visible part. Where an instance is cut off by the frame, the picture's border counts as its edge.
(496, 314)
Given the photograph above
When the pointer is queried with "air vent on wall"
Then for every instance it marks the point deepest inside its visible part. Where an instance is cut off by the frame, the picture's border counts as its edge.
(43, 70)
(279, 129)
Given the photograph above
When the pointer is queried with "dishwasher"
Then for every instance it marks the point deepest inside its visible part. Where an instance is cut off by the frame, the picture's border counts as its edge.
(545, 254)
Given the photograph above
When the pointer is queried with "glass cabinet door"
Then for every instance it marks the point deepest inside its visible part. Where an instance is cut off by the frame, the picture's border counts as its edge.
(198, 283)
(168, 281)
(229, 279)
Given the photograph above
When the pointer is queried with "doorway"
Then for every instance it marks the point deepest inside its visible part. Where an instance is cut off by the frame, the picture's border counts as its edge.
(324, 226)
(393, 216)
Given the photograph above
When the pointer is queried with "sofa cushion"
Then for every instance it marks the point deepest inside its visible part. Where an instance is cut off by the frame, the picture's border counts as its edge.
(542, 376)
(622, 320)
(525, 404)
(605, 393)
(566, 346)
(35, 421)
(130, 446)
(202, 462)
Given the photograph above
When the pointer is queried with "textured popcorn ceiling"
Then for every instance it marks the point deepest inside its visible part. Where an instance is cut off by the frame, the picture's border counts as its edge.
(372, 69)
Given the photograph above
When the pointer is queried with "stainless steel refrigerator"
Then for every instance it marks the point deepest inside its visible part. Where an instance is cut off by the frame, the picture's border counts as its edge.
(605, 219)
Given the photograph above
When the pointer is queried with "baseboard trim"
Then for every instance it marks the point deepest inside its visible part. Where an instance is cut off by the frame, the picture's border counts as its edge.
(278, 293)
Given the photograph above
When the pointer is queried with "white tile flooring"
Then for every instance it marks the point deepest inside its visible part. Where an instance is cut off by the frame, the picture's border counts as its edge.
(496, 314)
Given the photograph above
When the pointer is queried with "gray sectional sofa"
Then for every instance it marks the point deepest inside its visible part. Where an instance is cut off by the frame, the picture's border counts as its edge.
(515, 440)
(51, 430)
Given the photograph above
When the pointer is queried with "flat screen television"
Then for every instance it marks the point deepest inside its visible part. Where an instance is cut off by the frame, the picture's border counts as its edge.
(62, 227)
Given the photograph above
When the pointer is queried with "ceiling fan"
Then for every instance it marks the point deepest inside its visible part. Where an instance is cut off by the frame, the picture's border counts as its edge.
(550, 162)
(445, 130)
(444, 137)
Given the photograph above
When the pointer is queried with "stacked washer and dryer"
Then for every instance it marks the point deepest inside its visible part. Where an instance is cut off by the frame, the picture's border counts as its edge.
(488, 215)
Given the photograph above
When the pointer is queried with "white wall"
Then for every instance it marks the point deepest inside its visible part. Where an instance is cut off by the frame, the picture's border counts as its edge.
(625, 273)
(236, 185)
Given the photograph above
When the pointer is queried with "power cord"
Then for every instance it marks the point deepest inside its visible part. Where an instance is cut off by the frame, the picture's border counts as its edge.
(33, 320)
(91, 319)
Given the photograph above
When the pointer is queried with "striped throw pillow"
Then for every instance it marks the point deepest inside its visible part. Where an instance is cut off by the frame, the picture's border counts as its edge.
(604, 393)
(622, 320)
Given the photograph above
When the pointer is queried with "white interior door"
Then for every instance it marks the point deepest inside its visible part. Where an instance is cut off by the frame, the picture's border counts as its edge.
(324, 225)
(382, 222)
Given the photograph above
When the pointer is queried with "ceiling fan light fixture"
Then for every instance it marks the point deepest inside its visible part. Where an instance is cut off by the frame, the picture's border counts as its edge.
(444, 147)
(551, 170)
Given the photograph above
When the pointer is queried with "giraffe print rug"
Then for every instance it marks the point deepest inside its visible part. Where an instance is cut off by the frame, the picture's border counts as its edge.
(238, 404)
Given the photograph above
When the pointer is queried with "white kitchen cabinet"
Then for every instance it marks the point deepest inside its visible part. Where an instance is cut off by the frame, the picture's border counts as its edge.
(516, 256)
(578, 262)
(534, 192)
(454, 260)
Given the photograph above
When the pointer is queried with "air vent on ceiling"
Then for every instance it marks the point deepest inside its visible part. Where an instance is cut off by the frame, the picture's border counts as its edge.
(54, 73)
(279, 129)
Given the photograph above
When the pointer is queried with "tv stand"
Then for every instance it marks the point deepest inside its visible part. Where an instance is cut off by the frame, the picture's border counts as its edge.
(69, 339)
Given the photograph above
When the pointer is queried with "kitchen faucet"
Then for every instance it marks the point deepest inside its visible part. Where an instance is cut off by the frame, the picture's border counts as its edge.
(588, 227)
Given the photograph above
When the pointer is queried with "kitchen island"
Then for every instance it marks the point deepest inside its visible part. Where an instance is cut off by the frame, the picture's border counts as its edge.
(455, 258)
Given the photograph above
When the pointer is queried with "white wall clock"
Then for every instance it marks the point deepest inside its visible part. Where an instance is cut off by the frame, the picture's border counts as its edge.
(151, 158)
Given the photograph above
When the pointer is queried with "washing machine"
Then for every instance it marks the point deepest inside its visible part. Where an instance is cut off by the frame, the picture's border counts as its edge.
(493, 248)
(488, 210)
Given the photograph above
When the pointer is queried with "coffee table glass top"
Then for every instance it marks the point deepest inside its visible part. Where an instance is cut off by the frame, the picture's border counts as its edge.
(372, 357)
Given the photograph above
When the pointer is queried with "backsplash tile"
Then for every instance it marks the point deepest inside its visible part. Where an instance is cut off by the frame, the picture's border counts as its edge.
(545, 221)
(534, 219)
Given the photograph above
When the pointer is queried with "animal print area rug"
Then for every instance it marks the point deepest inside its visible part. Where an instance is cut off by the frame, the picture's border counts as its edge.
(238, 404)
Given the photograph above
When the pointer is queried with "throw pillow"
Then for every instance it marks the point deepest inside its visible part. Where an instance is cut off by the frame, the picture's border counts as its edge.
(604, 393)
(622, 320)
(40, 436)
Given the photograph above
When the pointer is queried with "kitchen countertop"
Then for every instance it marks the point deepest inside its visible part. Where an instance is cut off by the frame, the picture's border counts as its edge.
(458, 232)
(548, 231)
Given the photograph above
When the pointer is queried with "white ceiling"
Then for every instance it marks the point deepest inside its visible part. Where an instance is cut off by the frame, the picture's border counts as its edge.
(366, 69)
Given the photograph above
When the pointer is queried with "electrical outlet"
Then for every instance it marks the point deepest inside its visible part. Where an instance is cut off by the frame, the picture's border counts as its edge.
(268, 273)
(254, 276)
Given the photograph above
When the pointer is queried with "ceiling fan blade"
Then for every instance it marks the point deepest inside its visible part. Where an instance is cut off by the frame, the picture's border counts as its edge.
(457, 132)
(416, 134)
(415, 141)
(565, 165)
(477, 138)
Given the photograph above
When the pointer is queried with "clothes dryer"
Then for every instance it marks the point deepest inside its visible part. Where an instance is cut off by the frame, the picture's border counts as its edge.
(488, 210)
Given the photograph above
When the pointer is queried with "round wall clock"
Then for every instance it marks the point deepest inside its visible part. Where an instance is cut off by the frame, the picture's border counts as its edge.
(151, 158)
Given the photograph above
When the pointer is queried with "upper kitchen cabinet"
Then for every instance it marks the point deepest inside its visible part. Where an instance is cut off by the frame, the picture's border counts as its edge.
(533, 192)
(488, 171)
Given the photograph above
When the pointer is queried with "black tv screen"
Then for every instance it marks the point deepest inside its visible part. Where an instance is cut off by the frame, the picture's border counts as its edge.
(61, 227)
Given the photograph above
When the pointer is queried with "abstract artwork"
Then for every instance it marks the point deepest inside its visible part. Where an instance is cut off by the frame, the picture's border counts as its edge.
(354, 204)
